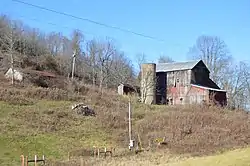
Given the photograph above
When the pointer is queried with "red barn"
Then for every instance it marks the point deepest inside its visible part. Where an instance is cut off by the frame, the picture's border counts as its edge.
(187, 83)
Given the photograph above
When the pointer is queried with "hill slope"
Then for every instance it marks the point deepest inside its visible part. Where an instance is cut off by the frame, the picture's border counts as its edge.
(40, 121)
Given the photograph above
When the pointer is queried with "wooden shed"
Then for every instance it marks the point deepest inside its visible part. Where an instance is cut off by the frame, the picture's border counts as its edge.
(125, 89)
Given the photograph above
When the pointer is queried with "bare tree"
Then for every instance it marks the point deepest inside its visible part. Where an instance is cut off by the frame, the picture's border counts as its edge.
(100, 62)
(234, 82)
(165, 59)
(140, 59)
(107, 64)
(92, 51)
(54, 43)
(214, 52)
(246, 75)
(8, 41)
(105, 54)
(121, 70)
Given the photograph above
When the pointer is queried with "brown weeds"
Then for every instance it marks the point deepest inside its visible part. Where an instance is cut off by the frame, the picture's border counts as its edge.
(197, 131)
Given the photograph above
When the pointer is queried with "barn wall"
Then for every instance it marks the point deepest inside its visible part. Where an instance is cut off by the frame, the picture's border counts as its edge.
(177, 95)
(187, 95)
(182, 78)
(200, 74)
(161, 87)
(197, 95)
(178, 84)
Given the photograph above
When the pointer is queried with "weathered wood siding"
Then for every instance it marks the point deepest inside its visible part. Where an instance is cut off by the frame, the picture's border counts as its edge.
(197, 95)
(200, 74)
(182, 78)
(178, 83)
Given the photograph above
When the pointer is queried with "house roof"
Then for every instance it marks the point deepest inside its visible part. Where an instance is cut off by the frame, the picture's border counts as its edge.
(208, 88)
(166, 67)
(41, 73)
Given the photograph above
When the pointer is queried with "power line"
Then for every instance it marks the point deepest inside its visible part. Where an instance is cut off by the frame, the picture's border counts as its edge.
(89, 20)
(56, 25)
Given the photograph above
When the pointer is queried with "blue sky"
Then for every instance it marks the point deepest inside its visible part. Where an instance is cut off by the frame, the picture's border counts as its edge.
(178, 23)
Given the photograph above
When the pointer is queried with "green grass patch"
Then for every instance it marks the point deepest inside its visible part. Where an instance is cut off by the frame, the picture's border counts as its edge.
(46, 127)
(239, 157)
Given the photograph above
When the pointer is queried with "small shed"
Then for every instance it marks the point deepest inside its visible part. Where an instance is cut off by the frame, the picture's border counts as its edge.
(125, 89)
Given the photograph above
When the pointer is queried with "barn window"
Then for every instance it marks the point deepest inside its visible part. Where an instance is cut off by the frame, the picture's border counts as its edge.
(181, 100)
(176, 81)
(171, 101)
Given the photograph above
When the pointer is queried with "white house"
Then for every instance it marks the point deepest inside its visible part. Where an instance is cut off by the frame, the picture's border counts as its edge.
(18, 75)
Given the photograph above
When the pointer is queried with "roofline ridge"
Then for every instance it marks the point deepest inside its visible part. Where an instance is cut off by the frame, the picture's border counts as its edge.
(181, 62)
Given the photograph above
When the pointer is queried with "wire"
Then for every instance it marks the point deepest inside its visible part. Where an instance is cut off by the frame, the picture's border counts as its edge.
(56, 25)
(89, 20)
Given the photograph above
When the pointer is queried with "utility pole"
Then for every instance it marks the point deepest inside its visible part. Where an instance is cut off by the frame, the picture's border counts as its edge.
(12, 68)
(11, 56)
(131, 142)
(73, 64)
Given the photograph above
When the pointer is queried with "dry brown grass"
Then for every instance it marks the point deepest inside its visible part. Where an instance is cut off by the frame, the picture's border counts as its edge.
(8, 93)
(196, 130)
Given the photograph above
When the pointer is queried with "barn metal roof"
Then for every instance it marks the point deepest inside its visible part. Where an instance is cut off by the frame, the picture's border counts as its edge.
(165, 67)
(208, 88)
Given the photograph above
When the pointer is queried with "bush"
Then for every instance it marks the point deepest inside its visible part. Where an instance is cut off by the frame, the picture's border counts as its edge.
(37, 93)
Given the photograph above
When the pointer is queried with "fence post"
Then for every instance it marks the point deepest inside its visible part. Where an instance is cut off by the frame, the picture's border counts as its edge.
(27, 162)
(111, 151)
(35, 160)
(43, 159)
(22, 159)
(105, 152)
(98, 152)
(82, 161)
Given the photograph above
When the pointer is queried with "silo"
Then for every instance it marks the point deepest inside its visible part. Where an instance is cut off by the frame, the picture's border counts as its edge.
(148, 83)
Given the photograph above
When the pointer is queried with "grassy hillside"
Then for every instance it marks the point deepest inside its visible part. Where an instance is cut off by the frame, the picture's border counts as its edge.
(46, 127)
(31, 122)
(40, 121)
